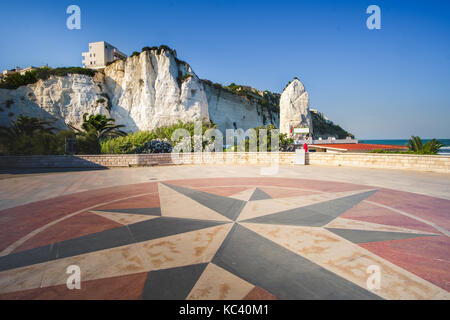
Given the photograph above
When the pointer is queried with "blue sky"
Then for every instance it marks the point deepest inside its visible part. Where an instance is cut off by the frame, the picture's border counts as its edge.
(388, 83)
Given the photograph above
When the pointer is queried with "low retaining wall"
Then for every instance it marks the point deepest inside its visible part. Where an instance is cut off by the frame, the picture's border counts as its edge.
(367, 160)
(433, 163)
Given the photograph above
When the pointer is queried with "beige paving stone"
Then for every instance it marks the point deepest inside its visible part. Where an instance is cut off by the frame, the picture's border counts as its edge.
(124, 218)
(349, 261)
(243, 195)
(168, 252)
(218, 284)
(260, 208)
(174, 204)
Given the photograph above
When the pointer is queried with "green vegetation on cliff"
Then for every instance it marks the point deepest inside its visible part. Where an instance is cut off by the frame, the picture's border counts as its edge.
(16, 80)
(326, 128)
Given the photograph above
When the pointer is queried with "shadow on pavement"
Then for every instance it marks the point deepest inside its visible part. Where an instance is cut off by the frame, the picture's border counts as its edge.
(9, 173)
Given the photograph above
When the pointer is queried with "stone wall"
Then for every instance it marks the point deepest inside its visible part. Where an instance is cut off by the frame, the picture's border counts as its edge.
(366, 160)
(434, 163)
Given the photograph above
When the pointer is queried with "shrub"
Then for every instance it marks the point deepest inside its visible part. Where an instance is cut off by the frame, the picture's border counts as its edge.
(132, 141)
(155, 146)
(284, 142)
(16, 80)
(88, 144)
(135, 53)
(186, 77)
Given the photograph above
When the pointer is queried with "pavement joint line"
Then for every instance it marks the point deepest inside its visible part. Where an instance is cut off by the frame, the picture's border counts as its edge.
(439, 228)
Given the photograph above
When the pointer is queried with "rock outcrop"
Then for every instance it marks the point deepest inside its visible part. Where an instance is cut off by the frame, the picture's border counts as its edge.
(64, 99)
(144, 92)
(294, 108)
(153, 89)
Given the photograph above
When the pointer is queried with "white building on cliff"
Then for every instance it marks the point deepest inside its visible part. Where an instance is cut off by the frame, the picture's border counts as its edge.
(100, 54)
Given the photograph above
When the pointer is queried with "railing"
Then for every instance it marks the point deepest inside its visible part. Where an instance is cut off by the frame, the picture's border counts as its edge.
(326, 141)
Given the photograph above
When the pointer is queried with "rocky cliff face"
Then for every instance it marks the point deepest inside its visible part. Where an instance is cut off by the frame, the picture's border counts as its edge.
(294, 108)
(232, 111)
(64, 99)
(146, 91)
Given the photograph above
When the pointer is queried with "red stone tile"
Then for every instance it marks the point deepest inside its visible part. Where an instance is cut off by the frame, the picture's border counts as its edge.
(17, 222)
(322, 186)
(258, 293)
(149, 201)
(371, 213)
(127, 287)
(429, 208)
(429, 257)
(77, 226)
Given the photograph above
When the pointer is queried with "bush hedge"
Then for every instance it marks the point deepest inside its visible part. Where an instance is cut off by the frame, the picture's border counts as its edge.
(16, 80)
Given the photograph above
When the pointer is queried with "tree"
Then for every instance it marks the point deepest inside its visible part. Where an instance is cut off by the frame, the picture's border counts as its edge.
(28, 135)
(416, 145)
(99, 126)
(28, 126)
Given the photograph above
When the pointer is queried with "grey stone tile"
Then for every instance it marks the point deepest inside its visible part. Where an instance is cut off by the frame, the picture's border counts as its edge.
(166, 226)
(316, 215)
(172, 284)
(258, 194)
(228, 207)
(281, 272)
(28, 257)
(363, 236)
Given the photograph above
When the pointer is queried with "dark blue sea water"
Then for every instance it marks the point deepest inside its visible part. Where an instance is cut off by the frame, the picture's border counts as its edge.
(401, 142)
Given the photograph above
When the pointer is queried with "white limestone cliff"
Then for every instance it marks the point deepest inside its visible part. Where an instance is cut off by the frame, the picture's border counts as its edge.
(144, 92)
(64, 99)
(294, 108)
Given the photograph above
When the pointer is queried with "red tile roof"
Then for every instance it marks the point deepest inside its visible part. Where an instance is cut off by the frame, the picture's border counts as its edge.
(360, 146)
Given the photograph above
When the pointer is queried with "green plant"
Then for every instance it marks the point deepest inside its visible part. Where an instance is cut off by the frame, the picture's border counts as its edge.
(99, 126)
(133, 141)
(323, 127)
(416, 145)
(16, 80)
(135, 53)
(28, 135)
(25, 125)
(266, 144)
(186, 77)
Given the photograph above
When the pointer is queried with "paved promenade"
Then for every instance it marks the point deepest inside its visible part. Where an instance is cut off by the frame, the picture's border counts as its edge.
(209, 232)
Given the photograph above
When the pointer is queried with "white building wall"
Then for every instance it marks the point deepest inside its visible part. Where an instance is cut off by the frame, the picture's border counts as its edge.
(99, 55)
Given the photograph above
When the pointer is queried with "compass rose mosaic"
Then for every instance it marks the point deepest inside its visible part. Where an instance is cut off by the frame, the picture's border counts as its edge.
(223, 238)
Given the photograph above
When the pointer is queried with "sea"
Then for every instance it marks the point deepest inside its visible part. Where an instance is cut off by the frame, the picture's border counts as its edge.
(445, 150)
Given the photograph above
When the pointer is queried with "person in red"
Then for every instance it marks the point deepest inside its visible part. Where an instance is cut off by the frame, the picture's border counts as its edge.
(305, 147)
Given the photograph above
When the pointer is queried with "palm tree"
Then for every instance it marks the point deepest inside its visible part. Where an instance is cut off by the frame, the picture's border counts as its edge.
(431, 147)
(28, 126)
(415, 144)
(100, 126)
